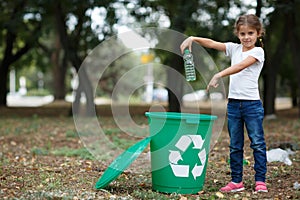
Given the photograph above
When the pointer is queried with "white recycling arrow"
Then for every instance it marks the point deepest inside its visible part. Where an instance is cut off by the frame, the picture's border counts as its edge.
(202, 156)
(182, 144)
(197, 170)
(197, 141)
(174, 157)
(180, 170)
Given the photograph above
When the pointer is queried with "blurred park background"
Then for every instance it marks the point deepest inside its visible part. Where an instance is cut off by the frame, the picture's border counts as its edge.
(43, 44)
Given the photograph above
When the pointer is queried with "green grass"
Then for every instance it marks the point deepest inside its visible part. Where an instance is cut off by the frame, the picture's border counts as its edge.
(112, 131)
(71, 134)
(66, 151)
(39, 151)
(63, 151)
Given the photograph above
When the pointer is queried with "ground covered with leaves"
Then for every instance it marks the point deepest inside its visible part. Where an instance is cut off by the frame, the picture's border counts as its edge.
(43, 158)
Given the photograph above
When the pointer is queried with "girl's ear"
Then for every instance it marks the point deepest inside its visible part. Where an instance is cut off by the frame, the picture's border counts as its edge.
(259, 34)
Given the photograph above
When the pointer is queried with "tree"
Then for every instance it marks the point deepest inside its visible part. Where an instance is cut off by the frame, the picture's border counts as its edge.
(75, 44)
(71, 48)
(52, 49)
(24, 22)
(282, 41)
(19, 34)
(292, 20)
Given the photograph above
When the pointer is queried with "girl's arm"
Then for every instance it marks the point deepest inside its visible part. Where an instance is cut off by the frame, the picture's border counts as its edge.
(231, 70)
(205, 42)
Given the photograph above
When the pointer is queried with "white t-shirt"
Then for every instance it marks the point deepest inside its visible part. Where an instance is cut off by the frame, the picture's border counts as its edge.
(244, 84)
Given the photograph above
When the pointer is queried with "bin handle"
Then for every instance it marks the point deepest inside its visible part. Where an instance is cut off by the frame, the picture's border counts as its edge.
(192, 121)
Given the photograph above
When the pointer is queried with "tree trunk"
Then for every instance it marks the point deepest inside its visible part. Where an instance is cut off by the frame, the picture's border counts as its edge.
(294, 94)
(3, 83)
(258, 8)
(269, 88)
(70, 48)
(4, 68)
(175, 85)
(86, 88)
(59, 71)
(8, 59)
(293, 41)
(272, 64)
(271, 70)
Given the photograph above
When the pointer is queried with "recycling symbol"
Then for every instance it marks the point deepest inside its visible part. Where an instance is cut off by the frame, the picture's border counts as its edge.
(182, 145)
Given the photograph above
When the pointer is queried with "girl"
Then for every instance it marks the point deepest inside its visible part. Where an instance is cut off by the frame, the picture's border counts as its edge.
(244, 105)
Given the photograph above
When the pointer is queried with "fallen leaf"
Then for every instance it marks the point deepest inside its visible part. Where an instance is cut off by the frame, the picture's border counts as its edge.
(201, 192)
(219, 195)
(183, 198)
(88, 168)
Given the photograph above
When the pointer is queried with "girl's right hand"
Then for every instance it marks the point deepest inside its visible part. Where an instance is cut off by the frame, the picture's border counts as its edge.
(214, 81)
(187, 43)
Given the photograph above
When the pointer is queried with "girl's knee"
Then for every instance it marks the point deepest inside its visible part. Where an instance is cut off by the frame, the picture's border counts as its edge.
(260, 146)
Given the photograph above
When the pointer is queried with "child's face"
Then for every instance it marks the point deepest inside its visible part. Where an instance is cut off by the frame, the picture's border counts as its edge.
(248, 36)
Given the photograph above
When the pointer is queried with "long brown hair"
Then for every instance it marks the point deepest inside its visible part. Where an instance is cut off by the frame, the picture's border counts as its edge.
(252, 21)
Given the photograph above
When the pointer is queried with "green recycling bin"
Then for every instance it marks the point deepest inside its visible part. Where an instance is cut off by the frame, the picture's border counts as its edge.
(179, 146)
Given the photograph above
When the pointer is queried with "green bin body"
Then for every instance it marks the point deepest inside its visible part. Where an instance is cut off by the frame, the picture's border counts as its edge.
(179, 150)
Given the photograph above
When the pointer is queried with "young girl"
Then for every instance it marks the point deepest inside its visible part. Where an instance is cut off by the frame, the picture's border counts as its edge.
(244, 105)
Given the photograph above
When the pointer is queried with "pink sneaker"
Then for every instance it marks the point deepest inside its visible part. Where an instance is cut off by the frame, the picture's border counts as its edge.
(233, 187)
(261, 186)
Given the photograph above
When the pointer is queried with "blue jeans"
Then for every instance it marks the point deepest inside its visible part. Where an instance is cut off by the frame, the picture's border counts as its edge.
(249, 113)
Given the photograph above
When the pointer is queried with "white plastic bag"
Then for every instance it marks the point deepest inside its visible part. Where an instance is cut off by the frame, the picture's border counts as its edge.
(296, 185)
(279, 155)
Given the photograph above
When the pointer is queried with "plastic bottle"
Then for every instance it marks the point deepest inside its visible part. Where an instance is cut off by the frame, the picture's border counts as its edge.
(189, 67)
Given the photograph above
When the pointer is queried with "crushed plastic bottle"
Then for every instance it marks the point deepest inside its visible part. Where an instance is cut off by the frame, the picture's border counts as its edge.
(189, 66)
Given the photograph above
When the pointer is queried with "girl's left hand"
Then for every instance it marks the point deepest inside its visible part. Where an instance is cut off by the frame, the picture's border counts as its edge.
(214, 81)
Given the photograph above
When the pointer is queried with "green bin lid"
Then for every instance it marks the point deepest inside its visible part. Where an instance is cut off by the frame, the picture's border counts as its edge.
(121, 163)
